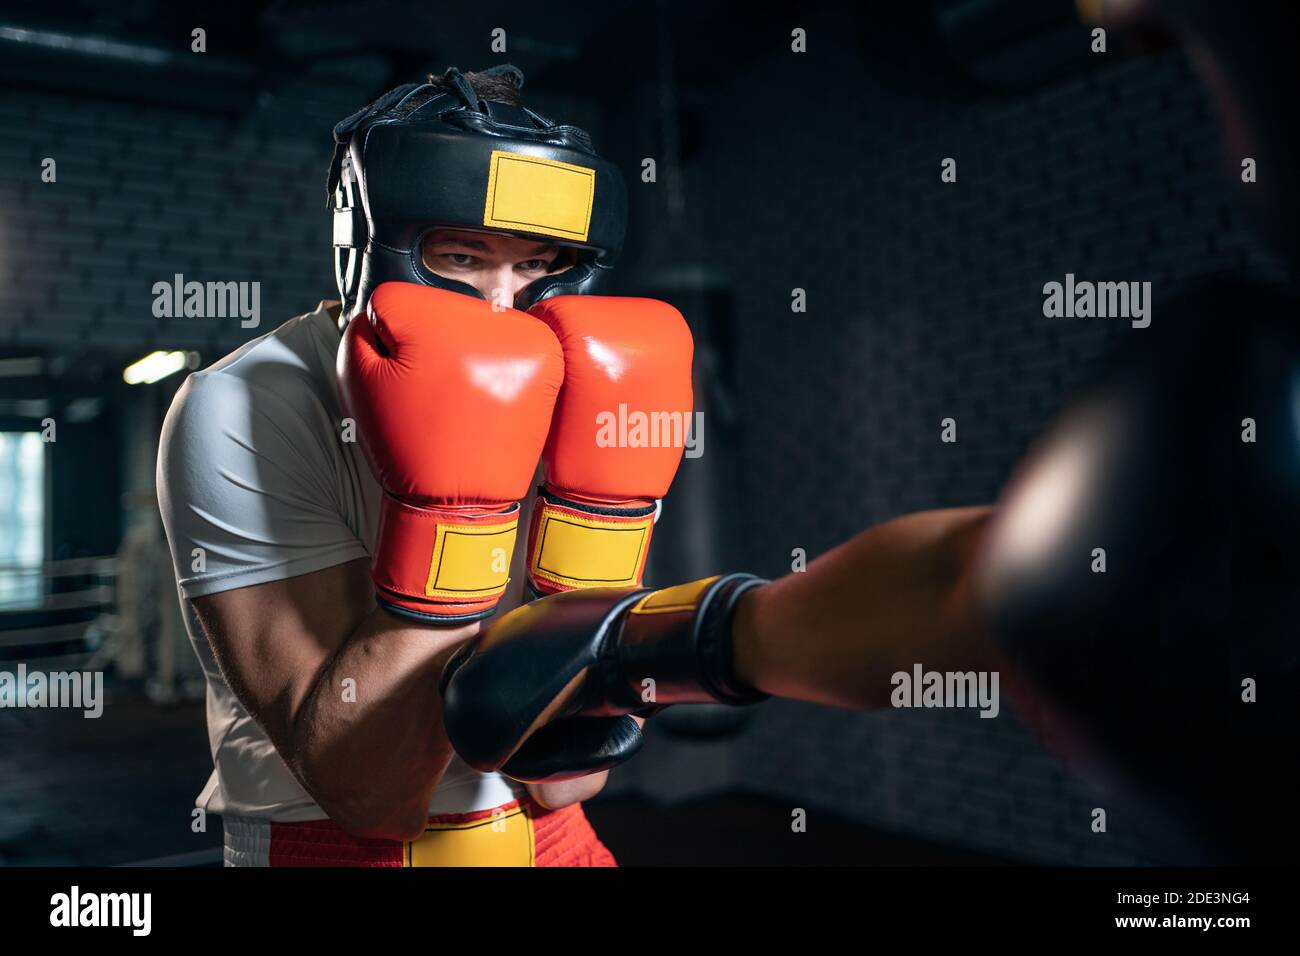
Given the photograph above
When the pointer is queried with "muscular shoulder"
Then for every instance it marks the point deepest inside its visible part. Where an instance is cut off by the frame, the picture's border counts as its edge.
(249, 463)
(293, 363)
(285, 376)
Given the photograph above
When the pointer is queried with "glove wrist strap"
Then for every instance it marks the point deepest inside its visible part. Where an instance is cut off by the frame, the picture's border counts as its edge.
(575, 545)
(443, 564)
(680, 637)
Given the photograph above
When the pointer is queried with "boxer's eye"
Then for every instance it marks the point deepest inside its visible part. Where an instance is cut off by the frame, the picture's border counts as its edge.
(535, 265)
(461, 260)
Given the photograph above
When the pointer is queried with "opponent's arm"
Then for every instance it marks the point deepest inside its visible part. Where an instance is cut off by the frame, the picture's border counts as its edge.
(893, 596)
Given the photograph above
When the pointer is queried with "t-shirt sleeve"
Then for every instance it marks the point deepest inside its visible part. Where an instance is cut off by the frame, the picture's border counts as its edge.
(247, 486)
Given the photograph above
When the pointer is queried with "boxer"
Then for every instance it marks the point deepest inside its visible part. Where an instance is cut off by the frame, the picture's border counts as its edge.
(342, 495)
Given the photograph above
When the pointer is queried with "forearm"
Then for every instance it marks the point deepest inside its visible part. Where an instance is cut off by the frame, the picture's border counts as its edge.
(893, 596)
(369, 742)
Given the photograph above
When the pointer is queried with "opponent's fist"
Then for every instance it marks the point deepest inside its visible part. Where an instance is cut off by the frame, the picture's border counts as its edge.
(452, 401)
(615, 442)
(543, 693)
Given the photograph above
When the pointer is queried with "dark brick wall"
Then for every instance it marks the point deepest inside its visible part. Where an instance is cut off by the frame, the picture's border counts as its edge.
(142, 194)
(146, 192)
(924, 301)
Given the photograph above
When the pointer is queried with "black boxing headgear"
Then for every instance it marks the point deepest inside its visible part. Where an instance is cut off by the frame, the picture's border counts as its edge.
(431, 155)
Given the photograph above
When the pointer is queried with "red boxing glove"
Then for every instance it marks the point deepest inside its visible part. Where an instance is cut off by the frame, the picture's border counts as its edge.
(452, 401)
(615, 442)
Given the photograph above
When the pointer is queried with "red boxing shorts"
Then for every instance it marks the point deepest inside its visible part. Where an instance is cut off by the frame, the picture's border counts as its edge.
(514, 834)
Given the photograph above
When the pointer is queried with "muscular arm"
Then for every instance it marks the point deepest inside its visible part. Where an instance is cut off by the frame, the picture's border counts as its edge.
(346, 692)
(891, 597)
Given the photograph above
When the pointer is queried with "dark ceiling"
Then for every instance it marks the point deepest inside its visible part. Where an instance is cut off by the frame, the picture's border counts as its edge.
(257, 47)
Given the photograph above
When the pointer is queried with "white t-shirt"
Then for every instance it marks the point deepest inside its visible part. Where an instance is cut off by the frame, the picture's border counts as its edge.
(252, 471)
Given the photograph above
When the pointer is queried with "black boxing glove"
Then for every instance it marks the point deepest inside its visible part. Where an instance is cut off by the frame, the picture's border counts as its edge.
(545, 693)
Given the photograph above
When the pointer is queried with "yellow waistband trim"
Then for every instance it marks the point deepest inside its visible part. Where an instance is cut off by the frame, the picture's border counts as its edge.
(503, 839)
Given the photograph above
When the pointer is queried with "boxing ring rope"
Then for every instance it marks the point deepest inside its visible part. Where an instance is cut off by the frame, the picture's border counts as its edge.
(132, 622)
